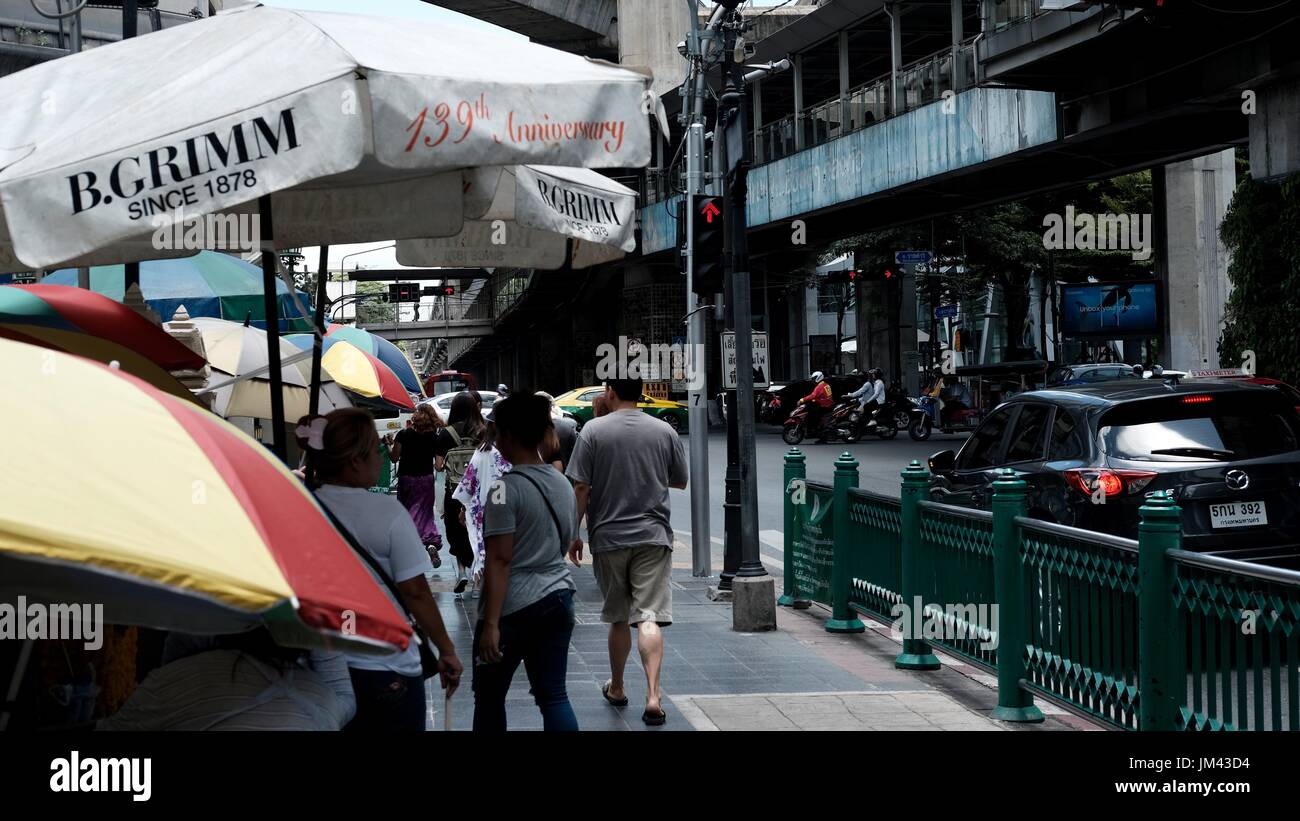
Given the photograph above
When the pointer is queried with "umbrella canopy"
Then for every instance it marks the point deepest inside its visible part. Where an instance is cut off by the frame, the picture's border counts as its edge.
(368, 113)
(207, 284)
(356, 370)
(384, 351)
(533, 217)
(87, 324)
(235, 349)
(209, 535)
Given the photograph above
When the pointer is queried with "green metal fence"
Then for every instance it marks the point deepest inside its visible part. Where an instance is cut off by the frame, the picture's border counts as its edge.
(1053, 610)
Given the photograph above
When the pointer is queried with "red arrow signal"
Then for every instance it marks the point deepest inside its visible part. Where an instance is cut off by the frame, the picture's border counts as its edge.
(709, 211)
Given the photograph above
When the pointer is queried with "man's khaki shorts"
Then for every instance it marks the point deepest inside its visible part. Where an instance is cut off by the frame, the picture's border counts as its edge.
(634, 583)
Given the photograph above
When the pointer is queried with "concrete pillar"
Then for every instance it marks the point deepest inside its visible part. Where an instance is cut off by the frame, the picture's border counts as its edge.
(798, 101)
(1275, 132)
(648, 34)
(1191, 200)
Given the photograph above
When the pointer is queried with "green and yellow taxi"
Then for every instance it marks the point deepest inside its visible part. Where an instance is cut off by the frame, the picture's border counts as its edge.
(577, 403)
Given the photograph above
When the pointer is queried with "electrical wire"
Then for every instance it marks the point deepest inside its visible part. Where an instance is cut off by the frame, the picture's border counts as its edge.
(774, 8)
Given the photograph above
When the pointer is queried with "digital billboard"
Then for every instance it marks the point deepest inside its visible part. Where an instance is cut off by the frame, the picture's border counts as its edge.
(1112, 310)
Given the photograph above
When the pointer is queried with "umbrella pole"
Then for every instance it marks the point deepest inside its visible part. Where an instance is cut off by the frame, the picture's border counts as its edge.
(322, 275)
(271, 309)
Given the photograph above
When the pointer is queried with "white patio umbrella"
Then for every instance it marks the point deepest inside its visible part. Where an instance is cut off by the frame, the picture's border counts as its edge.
(340, 127)
(533, 217)
(235, 350)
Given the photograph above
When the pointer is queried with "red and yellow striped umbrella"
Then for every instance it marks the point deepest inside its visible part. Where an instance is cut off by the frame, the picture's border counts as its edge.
(180, 520)
(92, 325)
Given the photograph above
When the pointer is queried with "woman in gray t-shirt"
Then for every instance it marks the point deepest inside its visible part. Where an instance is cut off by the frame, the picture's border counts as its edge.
(526, 611)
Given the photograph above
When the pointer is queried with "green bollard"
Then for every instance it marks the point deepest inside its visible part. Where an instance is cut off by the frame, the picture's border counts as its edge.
(1159, 682)
(916, 653)
(1009, 501)
(794, 471)
(842, 619)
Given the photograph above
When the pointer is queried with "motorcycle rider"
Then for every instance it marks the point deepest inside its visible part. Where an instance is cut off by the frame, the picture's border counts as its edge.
(819, 402)
(871, 396)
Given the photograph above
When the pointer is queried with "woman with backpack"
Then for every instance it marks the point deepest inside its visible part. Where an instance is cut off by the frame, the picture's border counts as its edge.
(452, 452)
(526, 612)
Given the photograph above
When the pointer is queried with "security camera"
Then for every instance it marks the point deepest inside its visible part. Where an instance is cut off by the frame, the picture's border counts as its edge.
(681, 48)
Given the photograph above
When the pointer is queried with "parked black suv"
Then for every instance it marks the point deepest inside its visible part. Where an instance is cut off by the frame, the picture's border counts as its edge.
(1229, 452)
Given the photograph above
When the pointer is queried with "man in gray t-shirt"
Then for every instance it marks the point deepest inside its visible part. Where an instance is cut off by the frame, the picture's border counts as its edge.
(622, 467)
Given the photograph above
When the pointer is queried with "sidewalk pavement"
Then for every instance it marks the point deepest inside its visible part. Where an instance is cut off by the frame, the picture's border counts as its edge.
(798, 677)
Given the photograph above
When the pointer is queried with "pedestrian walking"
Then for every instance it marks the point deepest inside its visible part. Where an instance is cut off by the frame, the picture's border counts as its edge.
(453, 451)
(559, 450)
(622, 467)
(526, 613)
(485, 467)
(389, 688)
(417, 486)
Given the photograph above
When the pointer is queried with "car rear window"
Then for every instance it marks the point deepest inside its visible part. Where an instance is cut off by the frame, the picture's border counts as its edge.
(1191, 428)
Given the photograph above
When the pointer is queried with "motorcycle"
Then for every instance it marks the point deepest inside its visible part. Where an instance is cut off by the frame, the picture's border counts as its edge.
(924, 418)
(844, 421)
(771, 412)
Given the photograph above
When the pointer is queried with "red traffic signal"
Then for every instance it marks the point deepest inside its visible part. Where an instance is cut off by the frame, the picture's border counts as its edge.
(449, 290)
(709, 209)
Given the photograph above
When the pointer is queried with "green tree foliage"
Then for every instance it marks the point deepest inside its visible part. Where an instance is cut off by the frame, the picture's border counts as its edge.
(1262, 232)
(374, 308)
(1003, 244)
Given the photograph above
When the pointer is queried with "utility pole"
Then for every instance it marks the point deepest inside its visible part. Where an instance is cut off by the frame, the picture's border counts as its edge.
(697, 368)
(753, 590)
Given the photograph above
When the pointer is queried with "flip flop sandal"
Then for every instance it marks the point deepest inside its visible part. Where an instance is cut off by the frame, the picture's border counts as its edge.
(654, 719)
(617, 702)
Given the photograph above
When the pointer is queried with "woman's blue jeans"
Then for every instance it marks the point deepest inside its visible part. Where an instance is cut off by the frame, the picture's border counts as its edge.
(537, 635)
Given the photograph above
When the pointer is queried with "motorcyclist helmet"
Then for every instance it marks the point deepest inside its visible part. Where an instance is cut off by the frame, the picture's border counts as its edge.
(818, 376)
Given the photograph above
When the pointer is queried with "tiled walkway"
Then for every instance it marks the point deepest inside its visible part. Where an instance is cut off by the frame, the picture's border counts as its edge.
(798, 677)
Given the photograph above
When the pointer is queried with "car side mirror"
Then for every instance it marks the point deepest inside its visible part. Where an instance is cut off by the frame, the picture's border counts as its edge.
(943, 462)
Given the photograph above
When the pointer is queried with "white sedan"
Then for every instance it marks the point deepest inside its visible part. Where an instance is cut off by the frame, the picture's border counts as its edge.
(442, 404)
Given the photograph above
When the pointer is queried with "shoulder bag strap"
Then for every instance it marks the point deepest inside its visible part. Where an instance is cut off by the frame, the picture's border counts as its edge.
(375, 566)
(559, 531)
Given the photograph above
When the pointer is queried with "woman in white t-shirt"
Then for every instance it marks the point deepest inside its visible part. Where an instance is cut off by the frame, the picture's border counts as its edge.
(389, 689)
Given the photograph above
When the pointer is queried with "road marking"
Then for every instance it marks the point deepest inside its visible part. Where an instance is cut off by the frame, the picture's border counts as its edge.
(773, 538)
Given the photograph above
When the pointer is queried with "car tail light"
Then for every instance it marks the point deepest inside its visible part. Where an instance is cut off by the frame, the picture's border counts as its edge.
(1112, 482)
(1197, 399)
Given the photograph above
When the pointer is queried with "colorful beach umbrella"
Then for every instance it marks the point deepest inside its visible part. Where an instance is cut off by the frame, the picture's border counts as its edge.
(357, 371)
(87, 324)
(181, 521)
(384, 351)
(235, 349)
(207, 284)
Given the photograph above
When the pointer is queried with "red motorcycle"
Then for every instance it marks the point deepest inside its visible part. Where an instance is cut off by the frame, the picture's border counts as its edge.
(844, 421)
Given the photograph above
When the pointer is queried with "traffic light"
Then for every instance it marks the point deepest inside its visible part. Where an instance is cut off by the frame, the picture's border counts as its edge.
(708, 237)
(448, 290)
(885, 275)
(404, 292)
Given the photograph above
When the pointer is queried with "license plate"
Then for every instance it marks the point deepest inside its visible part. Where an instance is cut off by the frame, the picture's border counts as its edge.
(1238, 514)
